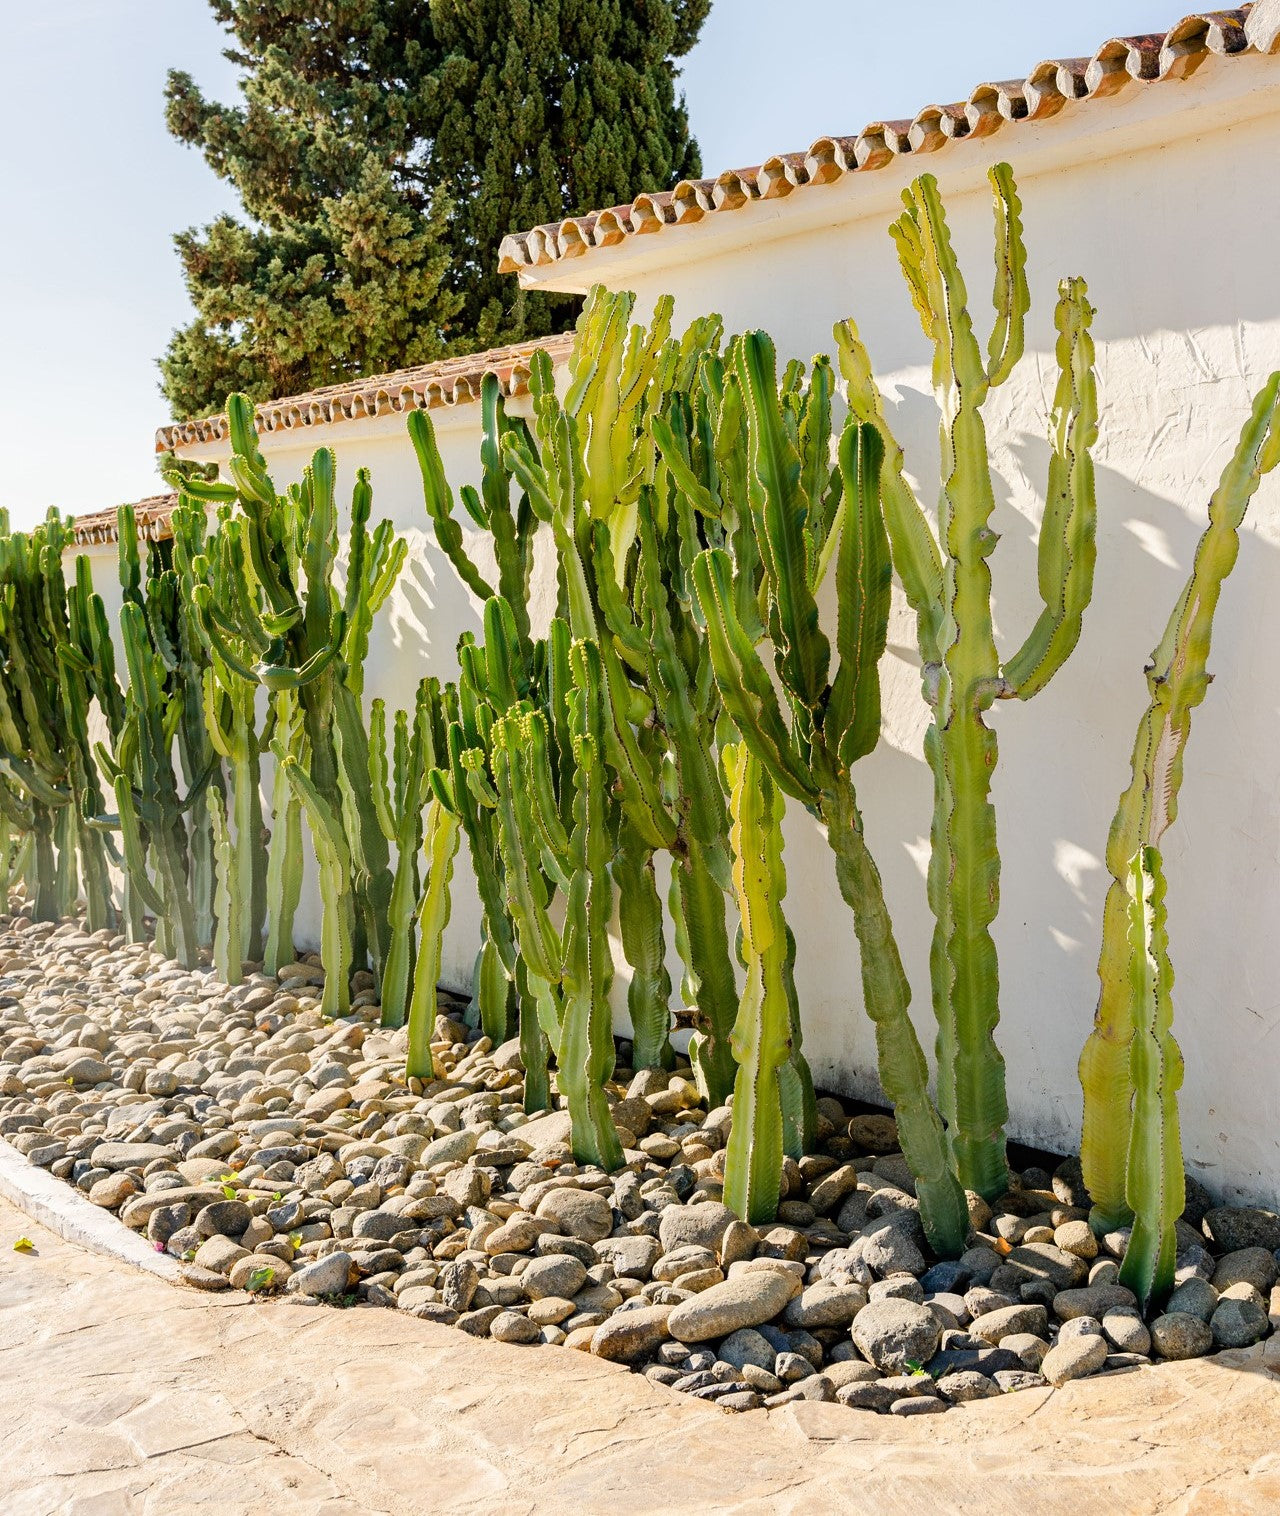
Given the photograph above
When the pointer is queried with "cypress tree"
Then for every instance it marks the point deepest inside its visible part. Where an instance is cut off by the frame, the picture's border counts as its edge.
(381, 150)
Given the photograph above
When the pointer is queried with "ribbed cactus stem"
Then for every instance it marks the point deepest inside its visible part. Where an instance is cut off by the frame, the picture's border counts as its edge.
(585, 1054)
(903, 1070)
(640, 923)
(284, 853)
(762, 1031)
(1177, 681)
(334, 862)
(1155, 1181)
(228, 941)
(536, 1007)
(442, 831)
(947, 581)
(494, 994)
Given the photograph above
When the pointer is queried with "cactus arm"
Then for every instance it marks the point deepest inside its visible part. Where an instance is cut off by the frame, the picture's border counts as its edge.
(1067, 547)
(762, 1031)
(904, 1074)
(643, 946)
(1177, 679)
(863, 572)
(510, 549)
(638, 783)
(779, 507)
(1011, 296)
(441, 832)
(743, 680)
(965, 973)
(686, 480)
(439, 503)
(915, 549)
(1155, 1180)
(334, 861)
(379, 777)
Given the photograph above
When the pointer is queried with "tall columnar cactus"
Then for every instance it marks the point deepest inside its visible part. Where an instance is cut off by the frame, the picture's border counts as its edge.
(1177, 679)
(508, 671)
(153, 803)
(229, 941)
(334, 859)
(947, 580)
(835, 720)
(587, 469)
(1156, 1183)
(765, 1035)
(284, 851)
(45, 754)
(534, 785)
(231, 720)
(271, 611)
(400, 789)
(187, 659)
(440, 836)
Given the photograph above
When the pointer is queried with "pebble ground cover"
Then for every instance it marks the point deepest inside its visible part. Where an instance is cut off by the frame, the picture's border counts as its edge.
(281, 1154)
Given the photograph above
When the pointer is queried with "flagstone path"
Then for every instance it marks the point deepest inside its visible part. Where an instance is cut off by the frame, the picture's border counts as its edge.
(122, 1394)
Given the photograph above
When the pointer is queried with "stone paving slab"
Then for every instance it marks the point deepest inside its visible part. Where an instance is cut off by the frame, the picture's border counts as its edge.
(123, 1395)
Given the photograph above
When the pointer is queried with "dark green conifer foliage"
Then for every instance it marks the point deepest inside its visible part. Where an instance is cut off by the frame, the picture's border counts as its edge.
(381, 149)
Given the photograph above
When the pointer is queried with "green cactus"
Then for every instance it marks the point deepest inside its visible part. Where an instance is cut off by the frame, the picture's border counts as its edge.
(573, 962)
(284, 852)
(947, 581)
(1155, 1181)
(763, 1032)
(507, 672)
(230, 717)
(400, 790)
(146, 750)
(228, 942)
(269, 608)
(334, 859)
(834, 720)
(591, 469)
(45, 754)
(441, 833)
(1177, 679)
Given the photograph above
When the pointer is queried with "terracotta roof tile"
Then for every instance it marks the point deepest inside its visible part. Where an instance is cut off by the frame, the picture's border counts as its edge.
(451, 381)
(1117, 64)
(99, 528)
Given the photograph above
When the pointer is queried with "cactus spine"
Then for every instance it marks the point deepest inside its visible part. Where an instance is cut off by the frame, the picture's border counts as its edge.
(948, 584)
(763, 1032)
(1177, 680)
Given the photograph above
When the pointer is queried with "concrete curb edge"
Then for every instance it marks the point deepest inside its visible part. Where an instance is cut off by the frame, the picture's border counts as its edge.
(66, 1212)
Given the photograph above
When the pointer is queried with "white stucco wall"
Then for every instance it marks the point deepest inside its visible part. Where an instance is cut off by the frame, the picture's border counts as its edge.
(1165, 199)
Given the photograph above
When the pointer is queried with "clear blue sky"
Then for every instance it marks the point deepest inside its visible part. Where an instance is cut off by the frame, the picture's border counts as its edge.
(93, 186)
